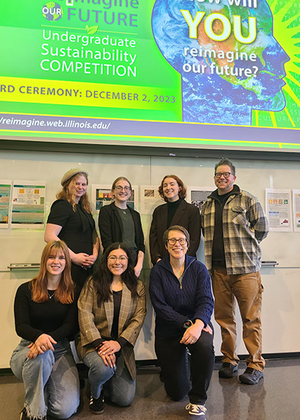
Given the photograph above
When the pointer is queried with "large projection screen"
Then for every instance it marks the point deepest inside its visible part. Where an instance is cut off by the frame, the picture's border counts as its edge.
(218, 74)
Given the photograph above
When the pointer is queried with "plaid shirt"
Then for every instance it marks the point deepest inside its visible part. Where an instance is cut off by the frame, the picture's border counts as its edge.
(96, 322)
(244, 227)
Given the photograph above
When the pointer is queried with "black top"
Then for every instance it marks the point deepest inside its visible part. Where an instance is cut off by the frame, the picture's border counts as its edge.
(186, 215)
(77, 231)
(51, 317)
(77, 226)
(218, 253)
(117, 296)
(172, 208)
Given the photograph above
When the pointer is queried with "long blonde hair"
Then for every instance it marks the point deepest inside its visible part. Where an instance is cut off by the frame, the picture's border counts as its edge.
(65, 194)
(38, 285)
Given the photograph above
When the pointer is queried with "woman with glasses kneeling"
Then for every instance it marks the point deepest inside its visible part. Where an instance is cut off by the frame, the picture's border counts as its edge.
(45, 318)
(180, 291)
(118, 222)
(112, 308)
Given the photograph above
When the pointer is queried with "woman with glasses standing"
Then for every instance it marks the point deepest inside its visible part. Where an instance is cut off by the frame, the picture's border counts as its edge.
(120, 223)
(180, 292)
(176, 211)
(111, 309)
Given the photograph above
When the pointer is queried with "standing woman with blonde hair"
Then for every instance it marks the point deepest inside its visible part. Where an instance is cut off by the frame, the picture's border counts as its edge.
(71, 220)
(45, 319)
(120, 223)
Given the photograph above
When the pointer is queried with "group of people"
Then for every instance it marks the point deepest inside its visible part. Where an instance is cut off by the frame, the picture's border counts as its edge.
(102, 306)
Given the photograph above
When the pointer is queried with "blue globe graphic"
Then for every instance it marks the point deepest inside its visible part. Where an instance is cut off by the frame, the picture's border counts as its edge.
(52, 11)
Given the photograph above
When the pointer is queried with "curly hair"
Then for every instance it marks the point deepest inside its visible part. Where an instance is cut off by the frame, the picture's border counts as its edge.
(182, 188)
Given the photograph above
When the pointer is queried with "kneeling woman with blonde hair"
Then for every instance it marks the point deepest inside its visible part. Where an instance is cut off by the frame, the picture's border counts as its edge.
(46, 318)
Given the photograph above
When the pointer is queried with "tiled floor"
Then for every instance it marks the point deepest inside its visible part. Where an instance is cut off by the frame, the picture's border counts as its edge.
(276, 397)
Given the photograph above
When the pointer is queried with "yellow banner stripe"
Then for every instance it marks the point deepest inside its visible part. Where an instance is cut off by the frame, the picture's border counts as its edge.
(86, 94)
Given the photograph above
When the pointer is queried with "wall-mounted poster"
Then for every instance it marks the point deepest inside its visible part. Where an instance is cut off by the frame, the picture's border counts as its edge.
(296, 210)
(197, 195)
(28, 204)
(150, 199)
(279, 209)
(5, 193)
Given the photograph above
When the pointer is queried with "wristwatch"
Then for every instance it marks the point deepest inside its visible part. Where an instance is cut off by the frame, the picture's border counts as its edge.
(188, 323)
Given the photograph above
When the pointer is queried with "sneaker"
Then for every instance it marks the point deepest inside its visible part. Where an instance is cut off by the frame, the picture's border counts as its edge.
(228, 370)
(251, 376)
(97, 404)
(196, 410)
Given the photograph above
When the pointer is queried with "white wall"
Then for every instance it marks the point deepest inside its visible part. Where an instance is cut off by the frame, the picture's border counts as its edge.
(281, 309)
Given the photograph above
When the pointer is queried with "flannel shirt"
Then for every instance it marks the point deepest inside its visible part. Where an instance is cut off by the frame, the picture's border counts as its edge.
(244, 227)
(96, 322)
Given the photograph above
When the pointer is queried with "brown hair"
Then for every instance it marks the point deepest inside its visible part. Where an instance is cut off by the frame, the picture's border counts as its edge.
(119, 179)
(182, 190)
(65, 290)
(176, 227)
(227, 162)
(65, 194)
(103, 278)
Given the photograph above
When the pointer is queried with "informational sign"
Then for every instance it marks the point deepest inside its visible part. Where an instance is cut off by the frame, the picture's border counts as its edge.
(5, 192)
(296, 210)
(188, 73)
(150, 199)
(279, 209)
(28, 204)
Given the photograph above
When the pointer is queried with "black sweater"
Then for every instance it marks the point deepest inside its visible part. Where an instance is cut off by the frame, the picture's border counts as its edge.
(51, 317)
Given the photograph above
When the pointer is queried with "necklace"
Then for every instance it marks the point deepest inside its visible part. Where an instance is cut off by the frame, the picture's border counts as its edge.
(50, 295)
(124, 211)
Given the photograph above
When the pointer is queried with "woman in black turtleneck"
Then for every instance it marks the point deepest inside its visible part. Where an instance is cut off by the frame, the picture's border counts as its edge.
(176, 211)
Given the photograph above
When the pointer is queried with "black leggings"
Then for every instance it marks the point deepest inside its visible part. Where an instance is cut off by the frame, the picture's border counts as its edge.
(177, 368)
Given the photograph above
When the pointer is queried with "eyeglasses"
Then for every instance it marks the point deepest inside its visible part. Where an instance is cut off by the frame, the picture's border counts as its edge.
(173, 241)
(119, 188)
(113, 258)
(225, 174)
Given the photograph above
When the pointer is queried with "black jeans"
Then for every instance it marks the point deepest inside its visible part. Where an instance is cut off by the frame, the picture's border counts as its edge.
(178, 367)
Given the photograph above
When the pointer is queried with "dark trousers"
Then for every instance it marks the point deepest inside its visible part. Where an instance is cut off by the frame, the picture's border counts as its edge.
(178, 367)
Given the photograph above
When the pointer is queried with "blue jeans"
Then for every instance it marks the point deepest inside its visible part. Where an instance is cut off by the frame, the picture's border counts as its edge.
(118, 384)
(51, 380)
